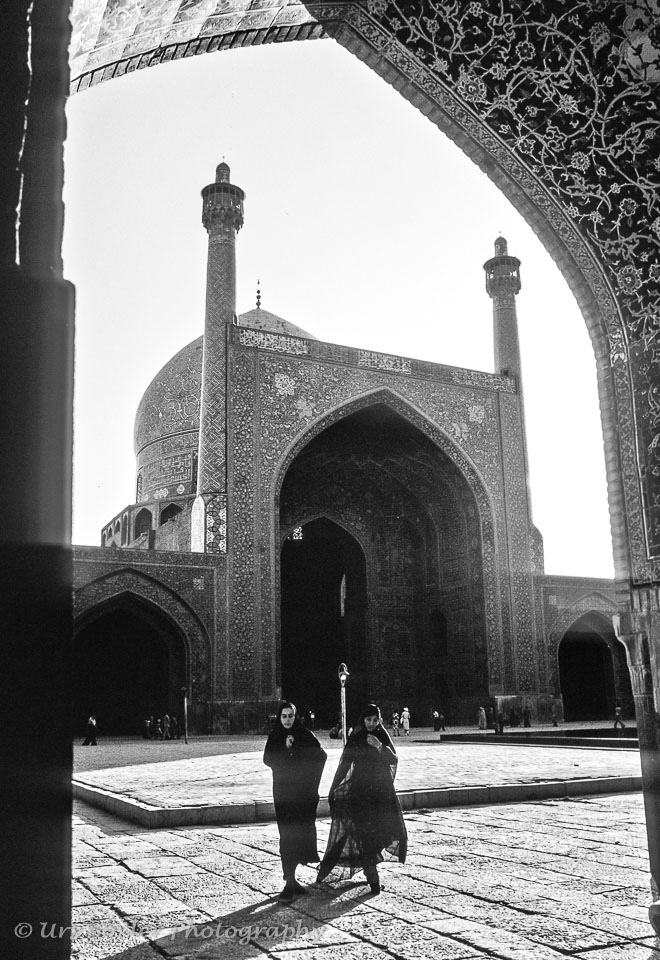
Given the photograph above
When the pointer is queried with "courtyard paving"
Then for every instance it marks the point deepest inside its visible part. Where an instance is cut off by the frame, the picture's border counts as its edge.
(560, 877)
(236, 787)
(531, 881)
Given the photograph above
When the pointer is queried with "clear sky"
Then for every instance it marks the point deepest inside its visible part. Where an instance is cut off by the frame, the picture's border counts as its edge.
(365, 225)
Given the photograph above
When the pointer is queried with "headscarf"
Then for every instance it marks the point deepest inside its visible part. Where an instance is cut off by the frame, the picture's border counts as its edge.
(279, 734)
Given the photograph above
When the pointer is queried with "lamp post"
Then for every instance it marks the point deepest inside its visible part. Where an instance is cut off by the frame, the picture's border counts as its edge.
(184, 691)
(343, 675)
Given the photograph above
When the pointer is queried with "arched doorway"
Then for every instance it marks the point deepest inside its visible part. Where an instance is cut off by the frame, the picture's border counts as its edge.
(593, 674)
(129, 664)
(323, 583)
(375, 472)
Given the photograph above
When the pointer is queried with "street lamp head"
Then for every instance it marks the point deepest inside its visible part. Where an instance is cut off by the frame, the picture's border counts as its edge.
(343, 672)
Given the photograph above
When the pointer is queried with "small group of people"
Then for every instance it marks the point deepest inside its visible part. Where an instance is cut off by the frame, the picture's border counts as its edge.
(401, 721)
(367, 822)
(497, 721)
(162, 728)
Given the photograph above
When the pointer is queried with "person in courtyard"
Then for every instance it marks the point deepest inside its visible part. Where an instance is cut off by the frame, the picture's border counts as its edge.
(367, 823)
(481, 718)
(527, 716)
(405, 721)
(492, 719)
(90, 739)
(396, 722)
(297, 759)
(618, 719)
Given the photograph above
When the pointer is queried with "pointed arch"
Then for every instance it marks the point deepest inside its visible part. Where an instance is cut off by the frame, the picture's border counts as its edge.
(473, 489)
(92, 598)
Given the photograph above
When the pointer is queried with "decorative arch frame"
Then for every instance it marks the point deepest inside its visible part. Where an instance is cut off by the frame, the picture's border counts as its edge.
(487, 80)
(464, 465)
(134, 586)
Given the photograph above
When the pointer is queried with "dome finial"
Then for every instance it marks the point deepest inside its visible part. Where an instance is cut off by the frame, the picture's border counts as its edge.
(258, 295)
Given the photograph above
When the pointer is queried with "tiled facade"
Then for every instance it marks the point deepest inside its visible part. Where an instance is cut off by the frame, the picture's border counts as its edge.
(422, 465)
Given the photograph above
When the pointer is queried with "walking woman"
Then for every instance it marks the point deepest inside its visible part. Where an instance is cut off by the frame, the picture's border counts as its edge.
(297, 759)
(367, 823)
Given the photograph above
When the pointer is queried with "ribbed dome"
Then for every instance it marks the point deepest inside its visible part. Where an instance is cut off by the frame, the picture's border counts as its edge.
(170, 404)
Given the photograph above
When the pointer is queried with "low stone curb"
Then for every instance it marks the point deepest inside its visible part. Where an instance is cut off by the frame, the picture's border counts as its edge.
(257, 811)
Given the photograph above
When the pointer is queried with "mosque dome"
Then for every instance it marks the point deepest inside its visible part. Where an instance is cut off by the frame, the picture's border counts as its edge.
(168, 415)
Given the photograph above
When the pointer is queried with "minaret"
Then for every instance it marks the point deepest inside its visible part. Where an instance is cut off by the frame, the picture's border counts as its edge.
(222, 215)
(502, 284)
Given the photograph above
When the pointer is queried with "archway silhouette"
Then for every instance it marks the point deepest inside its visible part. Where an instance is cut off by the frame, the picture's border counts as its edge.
(323, 595)
(593, 673)
(129, 664)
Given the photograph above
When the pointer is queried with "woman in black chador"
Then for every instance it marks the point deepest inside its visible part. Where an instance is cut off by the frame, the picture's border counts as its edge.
(367, 823)
(297, 760)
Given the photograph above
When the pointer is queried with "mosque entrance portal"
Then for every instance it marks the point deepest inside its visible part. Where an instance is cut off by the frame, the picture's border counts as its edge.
(129, 664)
(323, 578)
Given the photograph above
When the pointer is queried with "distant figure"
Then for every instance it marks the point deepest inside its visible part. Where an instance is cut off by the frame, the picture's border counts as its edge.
(492, 720)
(175, 733)
(166, 727)
(312, 719)
(527, 716)
(618, 722)
(553, 716)
(395, 725)
(482, 718)
(405, 721)
(500, 722)
(90, 739)
(436, 720)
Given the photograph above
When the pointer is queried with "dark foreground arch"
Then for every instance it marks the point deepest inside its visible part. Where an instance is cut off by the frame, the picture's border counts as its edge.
(590, 190)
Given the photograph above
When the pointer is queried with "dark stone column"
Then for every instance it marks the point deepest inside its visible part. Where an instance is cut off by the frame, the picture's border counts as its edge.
(36, 612)
(639, 630)
(36, 386)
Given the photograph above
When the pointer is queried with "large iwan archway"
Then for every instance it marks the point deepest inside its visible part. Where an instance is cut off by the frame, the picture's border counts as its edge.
(417, 615)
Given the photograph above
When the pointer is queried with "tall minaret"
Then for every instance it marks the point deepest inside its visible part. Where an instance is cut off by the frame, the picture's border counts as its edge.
(222, 215)
(502, 284)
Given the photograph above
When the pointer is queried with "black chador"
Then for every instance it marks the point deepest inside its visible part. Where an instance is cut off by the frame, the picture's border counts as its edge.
(297, 760)
(367, 822)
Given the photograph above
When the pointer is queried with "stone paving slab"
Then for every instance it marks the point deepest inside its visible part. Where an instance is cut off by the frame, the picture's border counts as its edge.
(237, 788)
(505, 882)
